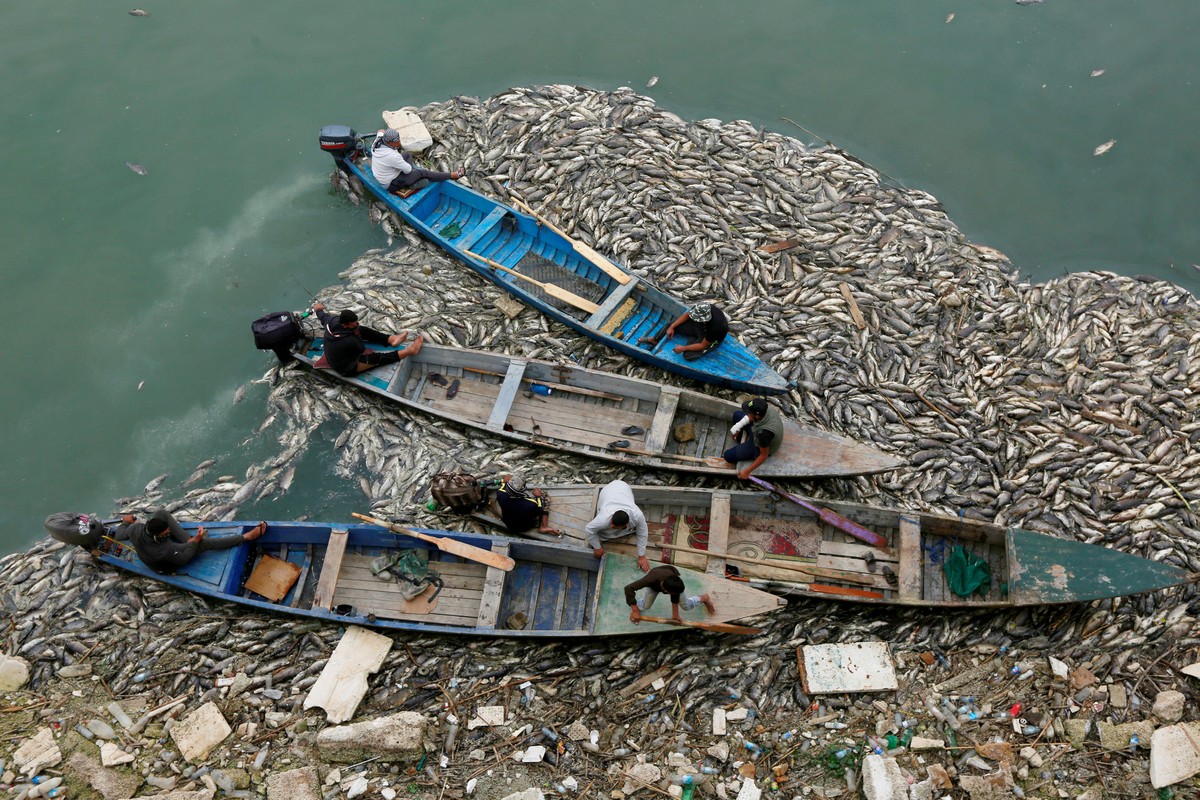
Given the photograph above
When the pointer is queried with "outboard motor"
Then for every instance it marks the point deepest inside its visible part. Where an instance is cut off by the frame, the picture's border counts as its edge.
(341, 142)
(277, 332)
(81, 529)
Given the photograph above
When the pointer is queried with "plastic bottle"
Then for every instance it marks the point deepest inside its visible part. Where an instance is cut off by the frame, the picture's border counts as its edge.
(753, 748)
(1134, 742)
(537, 388)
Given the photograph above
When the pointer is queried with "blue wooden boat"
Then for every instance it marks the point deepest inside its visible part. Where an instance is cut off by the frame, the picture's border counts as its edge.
(511, 249)
(325, 571)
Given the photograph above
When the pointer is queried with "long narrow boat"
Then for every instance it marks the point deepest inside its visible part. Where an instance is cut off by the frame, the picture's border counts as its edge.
(324, 571)
(782, 547)
(583, 289)
(588, 411)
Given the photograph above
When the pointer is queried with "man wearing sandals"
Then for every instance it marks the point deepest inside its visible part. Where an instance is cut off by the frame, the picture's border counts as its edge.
(163, 545)
(395, 170)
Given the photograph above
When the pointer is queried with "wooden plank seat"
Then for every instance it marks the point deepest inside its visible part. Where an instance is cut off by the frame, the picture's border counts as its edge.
(332, 566)
(506, 396)
(611, 303)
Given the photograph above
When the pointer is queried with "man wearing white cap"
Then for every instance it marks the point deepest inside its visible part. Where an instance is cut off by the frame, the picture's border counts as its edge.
(396, 170)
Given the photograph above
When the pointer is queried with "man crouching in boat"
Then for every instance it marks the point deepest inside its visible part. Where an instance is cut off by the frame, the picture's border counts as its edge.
(664, 579)
(757, 434)
(396, 170)
(617, 515)
(163, 545)
(523, 509)
(344, 343)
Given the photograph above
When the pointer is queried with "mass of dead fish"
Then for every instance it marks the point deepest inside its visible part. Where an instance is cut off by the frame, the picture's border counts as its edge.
(1067, 407)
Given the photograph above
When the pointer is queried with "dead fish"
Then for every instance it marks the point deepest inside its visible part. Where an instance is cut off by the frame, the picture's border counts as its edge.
(1028, 2)
(139, 12)
(1096, 73)
(138, 168)
(950, 18)
(239, 394)
(157, 482)
(1104, 148)
(653, 80)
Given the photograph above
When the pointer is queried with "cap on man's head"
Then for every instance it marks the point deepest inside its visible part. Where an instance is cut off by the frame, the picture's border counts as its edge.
(347, 316)
(757, 406)
(516, 483)
(156, 526)
(701, 312)
(391, 136)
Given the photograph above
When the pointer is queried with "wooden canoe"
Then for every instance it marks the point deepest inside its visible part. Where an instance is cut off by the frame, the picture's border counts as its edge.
(323, 571)
(618, 308)
(588, 410)
(1027, 568)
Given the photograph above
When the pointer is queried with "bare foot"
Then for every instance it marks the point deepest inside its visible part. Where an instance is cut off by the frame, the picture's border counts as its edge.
(415, 347)
(255, 532)
(709, 606)
(398, 339)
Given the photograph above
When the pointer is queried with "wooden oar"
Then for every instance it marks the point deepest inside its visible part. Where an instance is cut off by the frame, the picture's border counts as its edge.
(718, 627)
(816, 572)
(554, 291)
(710, 461)
(829, 517)
(591, 255)
(451, 546)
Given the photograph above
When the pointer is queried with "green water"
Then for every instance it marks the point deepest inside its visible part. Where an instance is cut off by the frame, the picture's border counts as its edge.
(114, 280)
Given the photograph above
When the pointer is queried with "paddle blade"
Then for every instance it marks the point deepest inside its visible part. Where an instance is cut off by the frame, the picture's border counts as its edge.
(448, 545)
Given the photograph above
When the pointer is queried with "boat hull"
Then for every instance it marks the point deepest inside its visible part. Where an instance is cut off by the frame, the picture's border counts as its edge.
(553, 591)
(588, 411)
(1026, 568)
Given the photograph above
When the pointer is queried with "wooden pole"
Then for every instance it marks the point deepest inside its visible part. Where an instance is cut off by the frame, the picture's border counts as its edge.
(591, 255)
(816, 572)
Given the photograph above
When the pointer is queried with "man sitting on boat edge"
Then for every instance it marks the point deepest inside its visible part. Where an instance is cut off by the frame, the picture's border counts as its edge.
(757, 434)
(395, 170)
(663, 579)
(164, 546)
(617, 515)
(344, 343)
(703, 327)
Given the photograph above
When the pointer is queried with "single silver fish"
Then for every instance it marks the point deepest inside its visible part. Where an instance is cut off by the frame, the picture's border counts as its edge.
(138, 12)
(138, 168)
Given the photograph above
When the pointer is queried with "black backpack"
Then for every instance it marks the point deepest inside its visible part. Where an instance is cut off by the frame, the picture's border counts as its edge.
(276, 330)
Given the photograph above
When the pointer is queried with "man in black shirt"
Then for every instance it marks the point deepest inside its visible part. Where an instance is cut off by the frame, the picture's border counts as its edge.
(663, 579)
(345, 347)
(163, 545)
(522, 509)
(703, 326)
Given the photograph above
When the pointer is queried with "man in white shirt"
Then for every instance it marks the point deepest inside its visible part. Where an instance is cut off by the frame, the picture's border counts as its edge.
(616, 516)
(395, 170)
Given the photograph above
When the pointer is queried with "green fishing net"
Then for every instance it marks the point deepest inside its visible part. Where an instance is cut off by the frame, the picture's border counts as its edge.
(967, 573)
